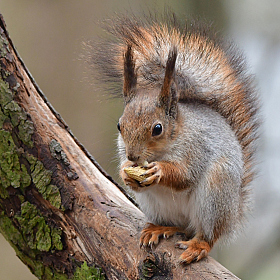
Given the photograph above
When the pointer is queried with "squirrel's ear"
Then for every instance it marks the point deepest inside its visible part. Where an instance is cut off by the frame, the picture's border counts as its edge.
(130, 78)
(168, 94)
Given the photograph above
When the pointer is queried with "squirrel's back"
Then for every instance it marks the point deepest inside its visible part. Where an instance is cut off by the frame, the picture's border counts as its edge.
(208, 70)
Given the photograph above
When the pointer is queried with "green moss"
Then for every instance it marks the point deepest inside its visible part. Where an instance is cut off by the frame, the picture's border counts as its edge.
(3, 192)
(3, 46)
(88, 273)
(36, 266)
(33, 227)
(16, 114)
(56, 238)
(9, 162)
(52, 194)
(25, 178)
(25, 131)
(41, 178)
(36, 231)
(31, 160)
(82, 273)
(2, 118)
(12, 173)
(17, 241)
(26, 245)
(6, 95)
(10, 232)
(51, 274)
(20, 241)
(27, 231)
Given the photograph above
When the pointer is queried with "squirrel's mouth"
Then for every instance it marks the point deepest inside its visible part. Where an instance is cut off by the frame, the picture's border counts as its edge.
(144, 163)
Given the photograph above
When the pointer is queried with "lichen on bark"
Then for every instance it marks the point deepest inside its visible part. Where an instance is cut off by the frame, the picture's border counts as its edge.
(37, 233)
(88, 273)
(17, 240)
(27, 230)
(41, 177)
(12, 172)
(24, 218)
(16, 115)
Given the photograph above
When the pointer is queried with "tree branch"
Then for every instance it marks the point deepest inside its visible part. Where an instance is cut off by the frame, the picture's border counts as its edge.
(58, 208)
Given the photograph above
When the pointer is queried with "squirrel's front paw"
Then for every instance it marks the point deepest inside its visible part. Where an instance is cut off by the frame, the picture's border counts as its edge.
(133, 184)
(154, 173)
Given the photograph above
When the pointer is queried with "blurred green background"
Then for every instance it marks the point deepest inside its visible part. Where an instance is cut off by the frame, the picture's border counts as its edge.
(49, 34)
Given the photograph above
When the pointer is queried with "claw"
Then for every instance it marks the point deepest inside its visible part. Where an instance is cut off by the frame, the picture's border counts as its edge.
(143, 182)
(153, 174)
(150, 244)
(182, 245)
(195, 250)
(150, 165)
(151, 234)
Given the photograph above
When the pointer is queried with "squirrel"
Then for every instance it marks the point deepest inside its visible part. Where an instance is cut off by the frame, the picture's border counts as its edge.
(191, 114)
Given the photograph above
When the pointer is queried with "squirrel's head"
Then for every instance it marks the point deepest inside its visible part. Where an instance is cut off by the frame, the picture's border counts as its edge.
(150, 118)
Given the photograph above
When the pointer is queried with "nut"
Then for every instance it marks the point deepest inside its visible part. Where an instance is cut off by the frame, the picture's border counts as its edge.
(136, 173)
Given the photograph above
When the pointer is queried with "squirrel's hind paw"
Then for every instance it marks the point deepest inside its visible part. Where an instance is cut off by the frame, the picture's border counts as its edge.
(195, 250)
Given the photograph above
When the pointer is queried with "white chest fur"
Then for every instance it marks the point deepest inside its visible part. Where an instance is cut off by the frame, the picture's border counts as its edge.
(164, 206)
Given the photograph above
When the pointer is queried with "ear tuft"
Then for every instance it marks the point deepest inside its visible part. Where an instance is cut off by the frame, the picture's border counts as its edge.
(168, 96)
(170, 66)
(130, 77)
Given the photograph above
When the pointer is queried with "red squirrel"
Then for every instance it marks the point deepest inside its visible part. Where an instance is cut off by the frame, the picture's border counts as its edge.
(191, 114)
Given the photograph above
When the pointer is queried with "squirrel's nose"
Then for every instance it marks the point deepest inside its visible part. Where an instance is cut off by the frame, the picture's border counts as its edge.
(132, 157)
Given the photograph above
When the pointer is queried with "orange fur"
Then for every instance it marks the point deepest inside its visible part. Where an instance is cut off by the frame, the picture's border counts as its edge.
(151, 234)
(195, 249)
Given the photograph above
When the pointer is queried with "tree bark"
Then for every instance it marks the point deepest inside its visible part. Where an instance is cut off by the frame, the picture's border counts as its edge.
(58, 209)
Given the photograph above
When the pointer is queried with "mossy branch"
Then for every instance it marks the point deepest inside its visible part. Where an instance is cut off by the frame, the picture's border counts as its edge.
(58, 209)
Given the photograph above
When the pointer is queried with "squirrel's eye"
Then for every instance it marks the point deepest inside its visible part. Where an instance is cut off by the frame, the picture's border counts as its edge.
(157, 130)
(119, 127)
